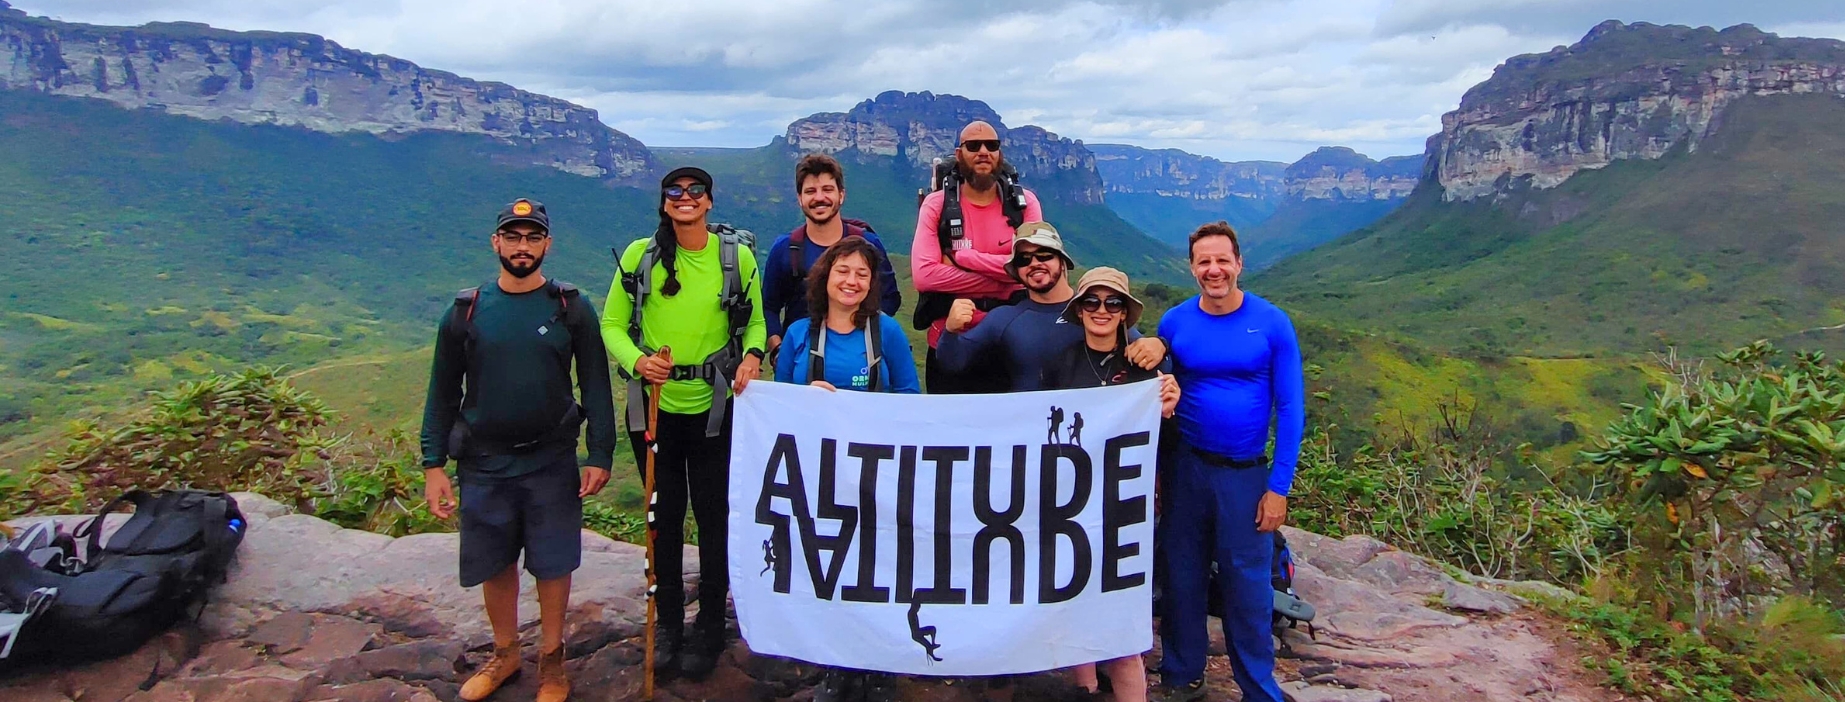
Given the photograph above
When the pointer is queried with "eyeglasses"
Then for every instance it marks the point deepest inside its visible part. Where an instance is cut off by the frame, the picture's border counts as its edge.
(1025, 259)
(696, 190)
(1091, 303)
(973, 145)
(533, 238)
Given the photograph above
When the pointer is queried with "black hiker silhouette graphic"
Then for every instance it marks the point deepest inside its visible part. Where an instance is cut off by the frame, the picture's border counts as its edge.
(1056, 422)
(922, 635)
(1076, 429)
(768, 557)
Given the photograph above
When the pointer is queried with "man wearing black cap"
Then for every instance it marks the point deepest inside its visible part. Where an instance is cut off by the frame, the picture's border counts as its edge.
(513, 433)
(684, 320)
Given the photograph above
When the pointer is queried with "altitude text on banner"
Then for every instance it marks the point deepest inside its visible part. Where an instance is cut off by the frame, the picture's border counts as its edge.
(944, 534)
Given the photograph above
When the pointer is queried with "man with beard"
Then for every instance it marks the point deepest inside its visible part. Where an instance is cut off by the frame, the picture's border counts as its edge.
(1031, 334)
(500, 403)
(1239, 368)
(983, 206)
(820, 185)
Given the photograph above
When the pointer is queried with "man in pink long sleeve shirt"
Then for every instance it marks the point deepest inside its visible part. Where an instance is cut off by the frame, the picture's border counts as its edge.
(978, 268)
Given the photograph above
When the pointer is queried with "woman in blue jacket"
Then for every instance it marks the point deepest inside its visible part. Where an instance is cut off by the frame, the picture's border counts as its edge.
(846, 342)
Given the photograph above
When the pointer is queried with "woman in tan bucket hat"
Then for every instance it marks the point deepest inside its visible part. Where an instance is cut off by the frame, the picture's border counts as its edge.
(1106, 310)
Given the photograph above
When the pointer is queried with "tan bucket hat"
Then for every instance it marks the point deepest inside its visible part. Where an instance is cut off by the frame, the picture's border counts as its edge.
(1111, 279)
(1044, 236)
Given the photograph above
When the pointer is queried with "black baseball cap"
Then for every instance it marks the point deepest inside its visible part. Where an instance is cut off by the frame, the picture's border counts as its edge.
(693, 172)
(524, 210)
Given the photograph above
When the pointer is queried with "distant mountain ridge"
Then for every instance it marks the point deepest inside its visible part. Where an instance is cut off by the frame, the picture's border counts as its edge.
(1625, 91)
(1646, 188)
(920, 127)
(1279, 208)
(303, 80)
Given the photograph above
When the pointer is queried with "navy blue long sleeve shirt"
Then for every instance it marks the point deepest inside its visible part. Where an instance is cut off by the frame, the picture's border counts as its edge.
(784, 300)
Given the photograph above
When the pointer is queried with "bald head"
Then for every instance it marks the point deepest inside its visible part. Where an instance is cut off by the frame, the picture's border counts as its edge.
(978, 129)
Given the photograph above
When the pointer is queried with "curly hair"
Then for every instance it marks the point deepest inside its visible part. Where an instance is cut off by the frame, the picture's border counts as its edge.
(822, 273)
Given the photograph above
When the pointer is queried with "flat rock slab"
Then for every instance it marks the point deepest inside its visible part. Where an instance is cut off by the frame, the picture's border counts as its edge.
(314, 613)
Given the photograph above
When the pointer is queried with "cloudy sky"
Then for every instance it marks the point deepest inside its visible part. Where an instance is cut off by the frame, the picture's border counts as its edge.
(1235, 79)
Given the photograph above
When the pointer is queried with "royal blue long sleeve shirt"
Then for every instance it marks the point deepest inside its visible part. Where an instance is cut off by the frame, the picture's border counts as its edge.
(1239, 375)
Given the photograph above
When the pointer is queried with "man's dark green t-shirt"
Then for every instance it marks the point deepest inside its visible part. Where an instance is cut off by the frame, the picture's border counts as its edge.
(518, 383)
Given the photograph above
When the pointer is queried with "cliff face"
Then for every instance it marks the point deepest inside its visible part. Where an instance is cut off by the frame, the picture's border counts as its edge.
(1329, 173)
(920, 127)
(1339, 173)
(1624, 92)
(1175, 173)
(300, 80)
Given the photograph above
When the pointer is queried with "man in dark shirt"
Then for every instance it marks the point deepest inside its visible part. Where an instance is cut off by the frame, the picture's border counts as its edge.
(514, 435)
(1030, 335)
(820, 186)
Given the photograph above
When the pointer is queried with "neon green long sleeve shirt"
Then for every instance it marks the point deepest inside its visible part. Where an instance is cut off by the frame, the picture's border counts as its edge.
(690, 323)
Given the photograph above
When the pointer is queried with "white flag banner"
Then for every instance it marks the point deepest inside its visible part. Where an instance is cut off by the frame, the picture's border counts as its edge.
(944, 534)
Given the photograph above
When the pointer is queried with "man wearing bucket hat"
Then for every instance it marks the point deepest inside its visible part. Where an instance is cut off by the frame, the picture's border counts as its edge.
(684, 322)
(501, 404)
(1105, 310)
(1029, 335)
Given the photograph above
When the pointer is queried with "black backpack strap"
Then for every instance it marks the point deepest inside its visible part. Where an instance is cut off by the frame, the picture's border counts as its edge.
(950, 226)
(465, 302)
(564, 293)
(874, 353)
(92, 530)
(1011, 197)
(816, 351)
(797, 249)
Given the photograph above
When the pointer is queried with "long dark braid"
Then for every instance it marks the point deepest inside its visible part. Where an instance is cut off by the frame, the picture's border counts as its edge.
(668, 245)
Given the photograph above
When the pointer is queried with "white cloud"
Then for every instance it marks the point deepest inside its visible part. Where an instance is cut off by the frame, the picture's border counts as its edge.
(1235, 79)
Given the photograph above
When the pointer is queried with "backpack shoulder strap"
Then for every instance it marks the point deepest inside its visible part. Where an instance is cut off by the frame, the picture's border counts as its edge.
(465, 302)
(734, 298)
(874, 353)
(816, 351)
(564, 293)
(797, 249)
(950, 226)
(642, 280)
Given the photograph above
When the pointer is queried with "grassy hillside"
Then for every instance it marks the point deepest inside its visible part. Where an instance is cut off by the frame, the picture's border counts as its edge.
(1171, 219)
(148, 246)
(1708, 250)
(1300, 225)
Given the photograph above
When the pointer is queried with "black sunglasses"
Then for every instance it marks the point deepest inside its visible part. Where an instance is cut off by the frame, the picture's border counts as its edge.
(1025, 259)
(973, 145)
(511, 237)
(1091, 303)
(696, 190)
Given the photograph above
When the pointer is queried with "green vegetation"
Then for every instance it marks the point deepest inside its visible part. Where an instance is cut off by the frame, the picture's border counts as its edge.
(1171, 219)
(1703, 529)
(1700, 251)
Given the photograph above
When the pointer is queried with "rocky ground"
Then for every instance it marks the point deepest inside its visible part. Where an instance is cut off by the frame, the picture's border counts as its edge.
(315, 612)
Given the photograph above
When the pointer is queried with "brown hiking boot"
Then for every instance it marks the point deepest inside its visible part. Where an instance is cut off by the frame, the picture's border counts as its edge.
(553, 683)
(503, 666)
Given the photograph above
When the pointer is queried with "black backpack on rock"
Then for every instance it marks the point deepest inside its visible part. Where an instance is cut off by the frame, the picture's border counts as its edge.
(153, 572)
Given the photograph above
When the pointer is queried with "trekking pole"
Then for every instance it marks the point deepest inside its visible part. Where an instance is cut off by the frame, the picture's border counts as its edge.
(653, 428)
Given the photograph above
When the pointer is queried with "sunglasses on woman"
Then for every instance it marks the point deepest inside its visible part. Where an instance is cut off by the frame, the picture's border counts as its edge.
(696, 190)
(1091, 303)
(973, 145)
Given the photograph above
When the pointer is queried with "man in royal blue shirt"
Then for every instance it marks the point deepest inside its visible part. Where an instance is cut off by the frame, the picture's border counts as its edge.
(820, 185)
(1239, 369)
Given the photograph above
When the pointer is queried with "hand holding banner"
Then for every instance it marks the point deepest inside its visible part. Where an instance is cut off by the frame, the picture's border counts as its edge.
(944, 534)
